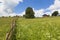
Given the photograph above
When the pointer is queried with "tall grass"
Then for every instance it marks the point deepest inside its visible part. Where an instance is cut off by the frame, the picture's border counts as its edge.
(38, 29)
(4, 27)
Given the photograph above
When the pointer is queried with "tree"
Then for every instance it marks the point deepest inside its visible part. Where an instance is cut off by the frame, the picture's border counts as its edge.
(55, 13)
(23, 15)
(29, 13)
(45, 15)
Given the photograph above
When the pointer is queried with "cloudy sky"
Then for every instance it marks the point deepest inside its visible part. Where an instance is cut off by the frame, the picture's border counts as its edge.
(18, 7)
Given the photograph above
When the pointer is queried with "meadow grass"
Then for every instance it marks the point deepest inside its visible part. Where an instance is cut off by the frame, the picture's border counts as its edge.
(47, 28)
(4, 27)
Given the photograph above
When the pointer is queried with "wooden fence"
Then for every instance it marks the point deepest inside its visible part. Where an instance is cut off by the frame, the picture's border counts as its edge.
(10, 33)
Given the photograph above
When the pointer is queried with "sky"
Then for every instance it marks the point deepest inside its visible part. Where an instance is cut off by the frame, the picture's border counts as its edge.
(36, 4)
(18, 7)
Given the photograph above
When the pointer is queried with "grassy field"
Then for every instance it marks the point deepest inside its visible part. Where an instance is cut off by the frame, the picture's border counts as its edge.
(4, 27)
(38, 29)
(47, 28)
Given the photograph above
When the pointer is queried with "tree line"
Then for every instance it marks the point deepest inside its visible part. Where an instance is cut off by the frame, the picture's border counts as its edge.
(29, 13)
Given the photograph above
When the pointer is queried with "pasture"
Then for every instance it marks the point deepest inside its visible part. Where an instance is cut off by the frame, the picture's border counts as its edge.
(47, 28)
(5, 25)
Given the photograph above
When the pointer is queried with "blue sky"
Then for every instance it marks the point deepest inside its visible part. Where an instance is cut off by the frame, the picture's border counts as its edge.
(36, 4)
(18, 7)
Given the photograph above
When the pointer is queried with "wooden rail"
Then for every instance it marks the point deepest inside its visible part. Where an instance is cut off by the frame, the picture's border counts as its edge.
(10, 33)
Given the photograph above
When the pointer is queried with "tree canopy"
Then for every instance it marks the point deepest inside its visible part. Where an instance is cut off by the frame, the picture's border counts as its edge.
(55, 13)
(29, 13)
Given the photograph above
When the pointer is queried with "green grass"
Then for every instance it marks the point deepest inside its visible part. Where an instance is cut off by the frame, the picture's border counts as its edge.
(47, 28)
(4, 27)
(38, 29)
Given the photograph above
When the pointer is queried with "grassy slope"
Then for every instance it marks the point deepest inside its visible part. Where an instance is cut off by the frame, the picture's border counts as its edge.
(38, 29)
(4, 27)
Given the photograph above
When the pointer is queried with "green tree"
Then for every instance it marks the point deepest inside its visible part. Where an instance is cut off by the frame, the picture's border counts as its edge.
(45, 15)
(55, 13)
(29, 13)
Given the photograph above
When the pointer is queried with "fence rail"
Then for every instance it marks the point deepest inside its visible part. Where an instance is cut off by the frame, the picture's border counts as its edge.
(9, 34)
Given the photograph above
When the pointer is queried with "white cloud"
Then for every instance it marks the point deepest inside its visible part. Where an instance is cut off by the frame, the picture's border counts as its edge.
(38, 13)
(12, 3)
(6, 7)
(54, 7)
